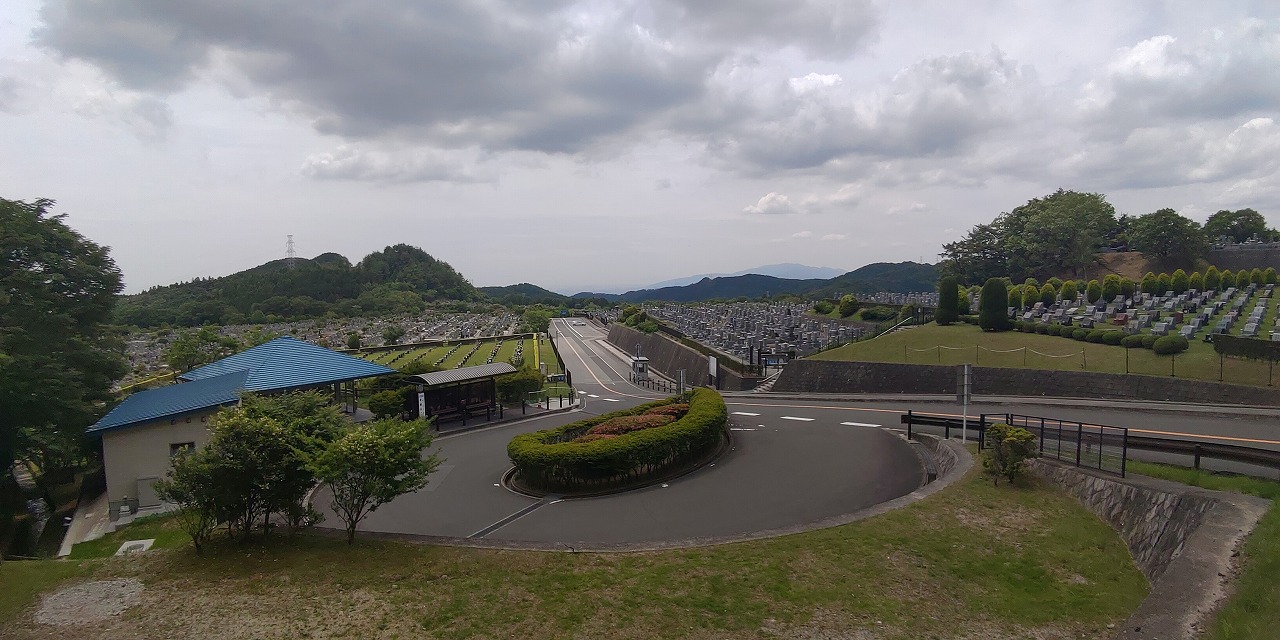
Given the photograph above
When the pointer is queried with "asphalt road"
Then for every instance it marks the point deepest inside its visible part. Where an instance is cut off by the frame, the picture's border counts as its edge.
(793, 462)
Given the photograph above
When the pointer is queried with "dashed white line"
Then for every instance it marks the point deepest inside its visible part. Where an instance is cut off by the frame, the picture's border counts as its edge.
(610, 399)
(744, 413)
(797, 419)
(592, 395)
(859, 424)
(740, 429)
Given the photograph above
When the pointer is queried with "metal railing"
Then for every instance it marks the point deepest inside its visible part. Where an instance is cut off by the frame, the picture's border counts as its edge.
(661, 386)
(1102, 447)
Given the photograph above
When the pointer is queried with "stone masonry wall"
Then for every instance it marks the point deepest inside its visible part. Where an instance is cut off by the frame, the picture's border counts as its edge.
(667, 356)
(1154, 520)
(825, 376)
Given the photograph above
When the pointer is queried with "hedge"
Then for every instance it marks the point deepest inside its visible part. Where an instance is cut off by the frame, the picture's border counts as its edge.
(1169, 345)
(1113, 338)
(549, 460)
(1132, 342)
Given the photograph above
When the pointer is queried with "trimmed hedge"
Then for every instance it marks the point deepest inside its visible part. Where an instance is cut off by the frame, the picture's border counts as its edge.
(1080, 334)
(1132, 342)
(550, 460)
(1148, 340)
(1113, 338)
(1095, 336)
(1169, 345)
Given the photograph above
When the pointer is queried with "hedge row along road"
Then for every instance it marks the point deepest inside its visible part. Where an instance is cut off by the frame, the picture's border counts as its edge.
(794, 462)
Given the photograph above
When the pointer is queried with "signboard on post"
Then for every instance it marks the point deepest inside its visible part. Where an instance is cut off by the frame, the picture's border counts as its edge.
(680, 381)
(712, 365)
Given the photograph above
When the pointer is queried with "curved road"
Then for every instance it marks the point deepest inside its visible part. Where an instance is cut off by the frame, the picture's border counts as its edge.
(794, 462)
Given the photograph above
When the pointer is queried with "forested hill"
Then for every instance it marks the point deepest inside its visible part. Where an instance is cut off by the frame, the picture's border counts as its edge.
(398, 278)
(900, 277)
(524, 293)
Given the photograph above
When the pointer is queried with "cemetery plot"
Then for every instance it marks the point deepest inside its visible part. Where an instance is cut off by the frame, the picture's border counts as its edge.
(739, 328)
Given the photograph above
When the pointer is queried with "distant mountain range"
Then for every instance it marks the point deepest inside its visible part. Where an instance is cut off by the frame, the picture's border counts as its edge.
(788, 270)
(404, 279)
(900, 277)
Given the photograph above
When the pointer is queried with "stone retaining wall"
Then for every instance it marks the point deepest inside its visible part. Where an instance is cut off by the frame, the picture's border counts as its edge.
(667, 356)
(829, 376)
(1182, 538)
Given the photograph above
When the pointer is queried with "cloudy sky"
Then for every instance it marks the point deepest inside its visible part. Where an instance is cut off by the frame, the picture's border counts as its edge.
(602, 145)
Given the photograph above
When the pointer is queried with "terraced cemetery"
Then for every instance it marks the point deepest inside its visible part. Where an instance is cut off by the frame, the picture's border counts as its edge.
(455, 354)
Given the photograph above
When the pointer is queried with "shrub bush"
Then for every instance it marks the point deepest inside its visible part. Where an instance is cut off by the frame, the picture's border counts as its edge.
(1095, 336)
(626, 424)
(1132, 342)
(1042, 329)
(993, 305)
(1169, 345)
(1080, 334)
(1148, 340)
(1008, 449)
(549, 460)
(1113, 338)
(386, 404)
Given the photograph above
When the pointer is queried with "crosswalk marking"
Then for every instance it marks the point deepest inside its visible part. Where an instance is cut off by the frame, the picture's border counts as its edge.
(744, 413)
(797, 419)
(859, 424)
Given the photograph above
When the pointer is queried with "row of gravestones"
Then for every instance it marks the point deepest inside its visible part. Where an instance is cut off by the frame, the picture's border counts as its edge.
(736, 328)
(1186, 313)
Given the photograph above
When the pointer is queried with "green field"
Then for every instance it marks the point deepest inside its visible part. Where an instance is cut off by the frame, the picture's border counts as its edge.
(963, 343)
(971, 561)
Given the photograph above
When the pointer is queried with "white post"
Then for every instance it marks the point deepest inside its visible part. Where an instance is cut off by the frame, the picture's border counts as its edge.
(968, 382)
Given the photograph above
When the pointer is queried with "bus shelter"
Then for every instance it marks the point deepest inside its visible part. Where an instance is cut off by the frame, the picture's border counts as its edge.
(461, 393)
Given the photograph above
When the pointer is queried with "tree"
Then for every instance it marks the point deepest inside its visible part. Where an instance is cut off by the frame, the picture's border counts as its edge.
(1179, 281)
(1150, 284)
(948, 301)
(1237, 226)
(1008, 449)
(993, 305)
(58, 357)
(537, 320)
(1269, 275)
(1212, 278)
(1170, 239)
(1228, 279)
(1256, 277)
(1093, 292)
(1030, 294)
(372, 464)
(1165, 281)
(1048, 295)
(962, 296)
(1196, 281)
(1015, 296)
(1110, 287)
(353, 341)
(392, 334)
(191, 484)
(514, 387)
(1069, 290)
(1127, 287)
(191, 349)
(1242, 279)
(848, 306)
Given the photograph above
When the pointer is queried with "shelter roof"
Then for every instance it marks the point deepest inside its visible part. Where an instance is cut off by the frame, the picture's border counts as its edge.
(287, 363)
(466, 374)
(173, 400)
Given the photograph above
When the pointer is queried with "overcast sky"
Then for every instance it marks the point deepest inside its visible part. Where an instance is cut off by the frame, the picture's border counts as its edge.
(602, 145)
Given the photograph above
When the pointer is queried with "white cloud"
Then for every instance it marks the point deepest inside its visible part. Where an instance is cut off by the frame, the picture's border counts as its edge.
(801, 235)
(350, 163)
(772, 203)
(832, 237)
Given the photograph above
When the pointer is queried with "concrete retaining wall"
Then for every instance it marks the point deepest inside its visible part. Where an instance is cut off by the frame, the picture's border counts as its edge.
(946, 457)
(826, 376)
(667, 356)
(1245, 256)
(1182, 538)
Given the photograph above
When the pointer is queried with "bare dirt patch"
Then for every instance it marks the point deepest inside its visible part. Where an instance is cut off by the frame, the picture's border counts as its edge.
(88, 602)
(1126, 264)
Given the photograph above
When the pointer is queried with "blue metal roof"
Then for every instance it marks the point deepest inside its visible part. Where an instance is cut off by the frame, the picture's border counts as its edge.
(283, 363)
(286, 363)
(173, 400)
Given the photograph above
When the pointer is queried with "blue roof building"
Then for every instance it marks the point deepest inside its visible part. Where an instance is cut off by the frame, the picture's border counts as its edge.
(141, 433)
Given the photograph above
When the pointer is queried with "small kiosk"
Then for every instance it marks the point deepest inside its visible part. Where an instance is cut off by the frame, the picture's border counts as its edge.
(639, 368)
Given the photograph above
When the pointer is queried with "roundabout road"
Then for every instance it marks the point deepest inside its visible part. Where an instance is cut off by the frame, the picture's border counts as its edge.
(794, 462)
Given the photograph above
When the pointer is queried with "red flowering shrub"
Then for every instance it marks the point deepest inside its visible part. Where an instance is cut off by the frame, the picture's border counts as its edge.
(675, 410)
(594, 436)
(627, 424)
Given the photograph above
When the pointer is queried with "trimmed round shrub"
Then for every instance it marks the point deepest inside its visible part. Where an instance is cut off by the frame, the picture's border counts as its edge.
(1113, 338)
(1095, 336)
(1042, 329)
(1148, 340)
(1169, 345)
(1132, 342)
(555, 460)
(1080, 334)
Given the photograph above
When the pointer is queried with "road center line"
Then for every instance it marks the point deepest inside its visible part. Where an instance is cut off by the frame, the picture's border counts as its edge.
(744, 413)
(797, 419)
(859, 424)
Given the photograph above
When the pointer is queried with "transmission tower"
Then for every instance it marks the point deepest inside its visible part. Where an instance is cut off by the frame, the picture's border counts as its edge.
(291, 256)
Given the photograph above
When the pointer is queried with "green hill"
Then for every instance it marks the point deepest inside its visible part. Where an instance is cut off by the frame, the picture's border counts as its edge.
(398, 278)
(524, 293)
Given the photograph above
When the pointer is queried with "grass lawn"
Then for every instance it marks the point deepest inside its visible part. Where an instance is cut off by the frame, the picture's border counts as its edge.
(1253, 611)
(963, 343)
(974, 561)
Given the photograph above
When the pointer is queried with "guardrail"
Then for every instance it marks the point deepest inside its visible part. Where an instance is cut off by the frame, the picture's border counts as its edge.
(1096, 446)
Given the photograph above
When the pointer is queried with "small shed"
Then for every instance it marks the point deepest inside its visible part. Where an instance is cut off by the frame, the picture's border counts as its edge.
(459, 392)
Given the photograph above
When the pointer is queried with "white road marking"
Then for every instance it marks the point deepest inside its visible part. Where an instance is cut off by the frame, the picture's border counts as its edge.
(611, 399)
(744, 413)
(859, 424)
(797, 419)
(740, 429)
(592, 395)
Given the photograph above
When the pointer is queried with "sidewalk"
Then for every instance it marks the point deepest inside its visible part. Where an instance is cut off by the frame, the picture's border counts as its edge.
(90, 522)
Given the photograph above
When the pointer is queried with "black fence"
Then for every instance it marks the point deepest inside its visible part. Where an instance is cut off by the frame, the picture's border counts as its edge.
(661, 386)
(1102, 447)
(1094, 446)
